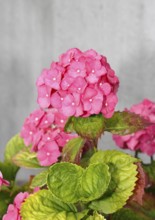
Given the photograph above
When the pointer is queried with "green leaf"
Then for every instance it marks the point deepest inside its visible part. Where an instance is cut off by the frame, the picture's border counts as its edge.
(5, 200)
(96, 216)
(72, 150)
(123, 179)
(9, 171)
(124, 123)
(147, 209)
(129, 214)
(69, 126)
(63, 180)
(95, 181)
(14, 145)
(43, 205)
(88, 127)
(26, 158)
(150, 170)
(40, 179)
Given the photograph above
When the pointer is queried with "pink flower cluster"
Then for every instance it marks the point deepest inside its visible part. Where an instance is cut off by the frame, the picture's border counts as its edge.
(44, 131)
(143, 140)
(79, 84)
(13, 211)
(3, 181)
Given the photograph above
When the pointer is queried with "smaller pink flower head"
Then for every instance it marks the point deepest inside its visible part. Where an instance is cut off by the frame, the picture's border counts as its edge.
(143, 140)
(3, 181)
(13, 211)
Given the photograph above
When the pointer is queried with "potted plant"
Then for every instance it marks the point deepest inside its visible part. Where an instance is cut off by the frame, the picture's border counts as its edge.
(77, 96)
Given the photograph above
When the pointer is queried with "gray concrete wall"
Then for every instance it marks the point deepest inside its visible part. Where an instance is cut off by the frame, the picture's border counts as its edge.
(35, 32)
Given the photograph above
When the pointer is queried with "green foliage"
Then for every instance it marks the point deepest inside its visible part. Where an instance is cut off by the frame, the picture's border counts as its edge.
(14, 145)
(8, 168)
(5, 199)
(40, 179)
(92, 127)
(26, 158)
(96, 216)
(64, 181)
(71, 183)
(123, 179)
(9, 171)
(129, 214)
(43, 205)
(95, 181)
(89, 127)
(124, 123)
(150, 170)
(72, 150)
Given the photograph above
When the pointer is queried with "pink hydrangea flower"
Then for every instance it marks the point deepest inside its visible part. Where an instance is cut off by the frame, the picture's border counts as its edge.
(3, 181)
(13, 211)
(65, 84)
(48, 154)
(143, 140)
(43, 130)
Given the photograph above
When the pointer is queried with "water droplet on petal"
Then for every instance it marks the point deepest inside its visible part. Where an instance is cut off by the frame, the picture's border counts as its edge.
(93, 71)
(54, 78)
(48, 138)
(73, 103)
(78, 70)
(62, 99)
(79, 88)
(30, 132)
(46, 122)
(46, 95)
(36, 119)
(62, 121)
(90, 100)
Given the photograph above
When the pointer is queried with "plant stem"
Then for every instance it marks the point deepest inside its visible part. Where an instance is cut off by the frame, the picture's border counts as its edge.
(136, 153)
(151, 159)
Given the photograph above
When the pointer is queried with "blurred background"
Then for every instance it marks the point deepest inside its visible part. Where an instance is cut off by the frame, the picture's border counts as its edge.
(35, 32)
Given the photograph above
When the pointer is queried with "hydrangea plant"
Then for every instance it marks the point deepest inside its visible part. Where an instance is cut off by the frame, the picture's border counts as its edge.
(77, 96)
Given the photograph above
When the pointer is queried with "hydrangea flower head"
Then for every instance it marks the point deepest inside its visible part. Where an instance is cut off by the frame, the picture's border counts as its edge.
(43, 130)
(143, 140)
(67, 83)
(13, 211)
